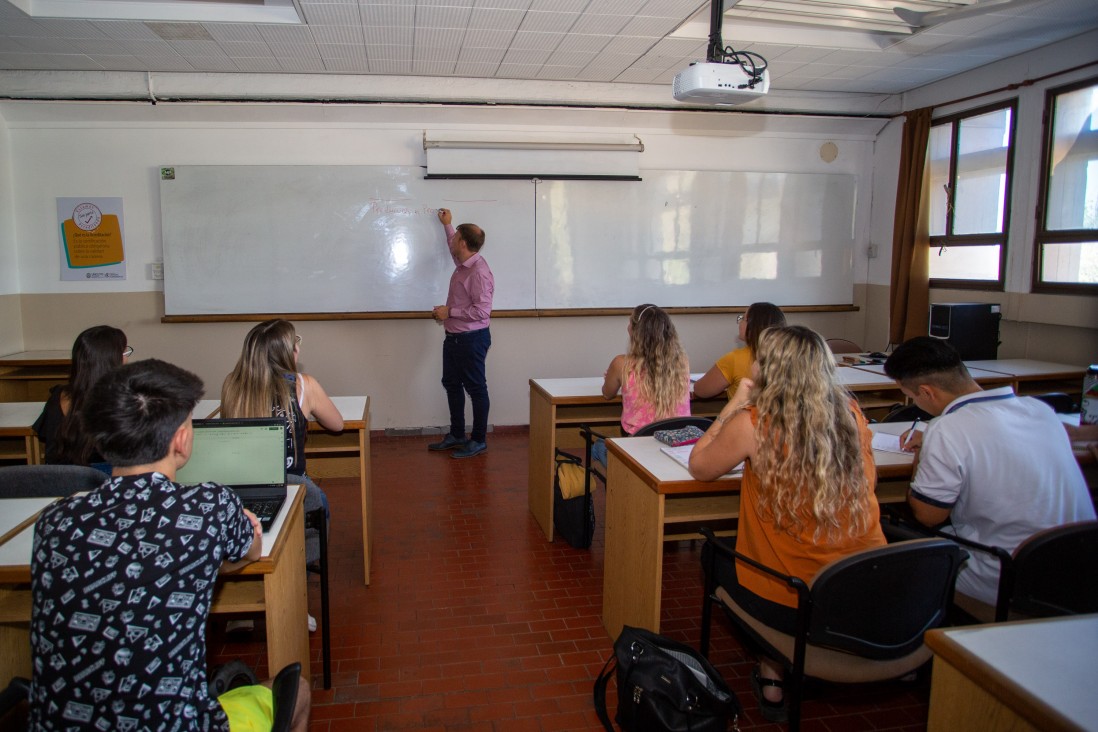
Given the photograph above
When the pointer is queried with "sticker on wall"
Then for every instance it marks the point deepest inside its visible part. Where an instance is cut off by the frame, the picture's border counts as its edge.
(91, 239)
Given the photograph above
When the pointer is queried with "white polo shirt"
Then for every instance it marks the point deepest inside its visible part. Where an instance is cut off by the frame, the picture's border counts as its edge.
(1003, 466)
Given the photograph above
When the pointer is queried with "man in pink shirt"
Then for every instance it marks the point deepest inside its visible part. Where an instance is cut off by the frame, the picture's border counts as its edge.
(466, 316)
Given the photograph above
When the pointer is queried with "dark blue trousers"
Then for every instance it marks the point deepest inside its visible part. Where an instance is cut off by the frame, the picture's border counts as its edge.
(463, 357)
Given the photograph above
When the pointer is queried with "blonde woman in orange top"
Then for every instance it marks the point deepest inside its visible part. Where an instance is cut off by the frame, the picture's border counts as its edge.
(807, 496)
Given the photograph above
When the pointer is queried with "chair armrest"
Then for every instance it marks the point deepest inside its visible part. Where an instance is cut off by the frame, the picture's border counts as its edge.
(721, 547)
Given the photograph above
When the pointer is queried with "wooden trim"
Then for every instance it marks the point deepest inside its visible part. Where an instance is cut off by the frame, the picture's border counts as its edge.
(536, 313)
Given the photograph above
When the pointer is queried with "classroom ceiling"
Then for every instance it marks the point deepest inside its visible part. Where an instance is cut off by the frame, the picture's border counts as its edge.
(847, 46)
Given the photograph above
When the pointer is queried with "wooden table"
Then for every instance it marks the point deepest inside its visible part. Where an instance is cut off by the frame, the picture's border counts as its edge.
(557, 408)
(336, 455)
(1029, 675)
(1029, 376)
(646, 491)
(17, 439)
(275, 585)
(28, 375)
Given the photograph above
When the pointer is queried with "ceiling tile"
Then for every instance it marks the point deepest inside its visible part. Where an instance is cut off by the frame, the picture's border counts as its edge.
(257, 64)
(347, 65)
(476, 70)
(330, 14)
(518, 71)
(404, 36)
(442, 17)
(548, 22)
(489, 39)
(234, 32)
(584, 43)
(517, 57)
(492, 19)
(536, 41)
(238, 49)
(329, 51)
(388, 15)
(375, 52)
(301, 65)
(653, 27)
(337, 34)
(481, 56)
(600, 24)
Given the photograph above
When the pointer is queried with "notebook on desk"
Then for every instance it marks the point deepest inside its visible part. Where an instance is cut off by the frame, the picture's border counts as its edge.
(247, 455)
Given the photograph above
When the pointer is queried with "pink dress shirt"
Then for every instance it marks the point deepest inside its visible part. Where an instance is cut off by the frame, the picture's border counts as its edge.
(470, 296)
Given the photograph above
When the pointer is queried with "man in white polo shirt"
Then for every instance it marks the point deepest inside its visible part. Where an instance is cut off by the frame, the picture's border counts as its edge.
(999, 467)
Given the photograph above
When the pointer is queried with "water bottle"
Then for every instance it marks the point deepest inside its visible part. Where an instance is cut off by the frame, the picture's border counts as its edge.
(1089, 411)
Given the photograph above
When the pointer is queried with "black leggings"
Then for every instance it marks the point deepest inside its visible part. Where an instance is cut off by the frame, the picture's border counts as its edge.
(782, 618)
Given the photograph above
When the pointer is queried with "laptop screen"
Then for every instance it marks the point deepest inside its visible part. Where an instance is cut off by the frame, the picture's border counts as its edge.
(238, 453)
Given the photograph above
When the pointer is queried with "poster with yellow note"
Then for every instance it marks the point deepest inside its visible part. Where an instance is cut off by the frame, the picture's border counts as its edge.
(91, 239)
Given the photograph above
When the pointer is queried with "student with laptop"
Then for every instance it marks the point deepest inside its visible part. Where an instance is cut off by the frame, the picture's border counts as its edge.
(122, 577)
(266, 383)
(999, 467)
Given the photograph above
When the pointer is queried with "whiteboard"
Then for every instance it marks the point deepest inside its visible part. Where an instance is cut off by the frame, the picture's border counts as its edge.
(361, 239)
(695, 239)
(332, 239)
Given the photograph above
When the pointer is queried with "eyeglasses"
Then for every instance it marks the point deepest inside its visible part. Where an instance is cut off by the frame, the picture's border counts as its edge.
(127, 351)
(740, 317)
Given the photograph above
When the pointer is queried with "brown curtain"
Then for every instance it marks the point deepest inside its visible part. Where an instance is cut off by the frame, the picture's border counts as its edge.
(909, 295)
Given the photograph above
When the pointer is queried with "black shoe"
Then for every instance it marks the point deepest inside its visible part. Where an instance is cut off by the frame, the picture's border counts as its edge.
(472, 447)
(448, 443)
(771, 711)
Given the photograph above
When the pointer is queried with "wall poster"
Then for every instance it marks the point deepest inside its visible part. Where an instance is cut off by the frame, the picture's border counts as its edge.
(91, 238)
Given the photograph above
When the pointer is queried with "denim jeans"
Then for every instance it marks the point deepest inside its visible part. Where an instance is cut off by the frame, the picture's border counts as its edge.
(463, 358)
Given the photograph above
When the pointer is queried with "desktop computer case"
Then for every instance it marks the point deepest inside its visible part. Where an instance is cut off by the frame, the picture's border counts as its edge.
(970, 327)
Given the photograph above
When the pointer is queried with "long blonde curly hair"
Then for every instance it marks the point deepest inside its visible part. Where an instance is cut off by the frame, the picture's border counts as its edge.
(809, 452)
(657, 358)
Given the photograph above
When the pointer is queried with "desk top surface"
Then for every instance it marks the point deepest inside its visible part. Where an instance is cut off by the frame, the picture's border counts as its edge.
(980, 375)
(589, 388)
(16, 551)
(662, 470)
(351, 408)
(19, 416)
(37, 358)
(1051, 661)
(1027, 368)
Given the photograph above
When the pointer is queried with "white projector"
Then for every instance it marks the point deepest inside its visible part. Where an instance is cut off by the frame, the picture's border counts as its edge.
(708, 83)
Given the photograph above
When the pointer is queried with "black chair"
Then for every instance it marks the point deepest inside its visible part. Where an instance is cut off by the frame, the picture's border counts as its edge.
(284, 691)
(673, 423)
(16, 693)
(1060, 402)
(860, 619)
(318, 521)
(906, 413)
(45, 481)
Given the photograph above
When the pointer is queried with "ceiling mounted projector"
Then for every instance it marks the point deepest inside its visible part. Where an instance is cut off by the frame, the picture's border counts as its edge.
(719, 83)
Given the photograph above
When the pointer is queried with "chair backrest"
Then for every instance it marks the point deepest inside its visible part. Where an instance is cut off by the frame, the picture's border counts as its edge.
(841, 345)
(30, 481)
(673, 423)
(877, 603)
(907, 413)
(1055, 571)
(1060, 402)
(284, 691)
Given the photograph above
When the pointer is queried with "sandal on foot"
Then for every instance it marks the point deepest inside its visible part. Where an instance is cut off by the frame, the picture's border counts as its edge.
(771, 711)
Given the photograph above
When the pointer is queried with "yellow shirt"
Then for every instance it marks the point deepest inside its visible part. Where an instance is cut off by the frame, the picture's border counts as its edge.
(735, 365)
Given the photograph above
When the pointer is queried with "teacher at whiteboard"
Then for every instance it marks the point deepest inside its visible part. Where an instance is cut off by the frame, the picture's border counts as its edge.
(466, 316)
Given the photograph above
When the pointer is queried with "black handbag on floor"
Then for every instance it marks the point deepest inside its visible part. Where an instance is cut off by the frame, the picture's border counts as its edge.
(664, 686)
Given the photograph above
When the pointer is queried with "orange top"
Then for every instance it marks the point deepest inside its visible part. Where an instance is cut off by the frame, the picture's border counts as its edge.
(796, 555)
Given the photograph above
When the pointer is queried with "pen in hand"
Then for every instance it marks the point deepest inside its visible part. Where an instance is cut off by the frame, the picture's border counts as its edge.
(910, 433)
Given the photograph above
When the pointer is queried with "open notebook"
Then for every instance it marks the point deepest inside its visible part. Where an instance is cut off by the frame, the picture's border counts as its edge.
(247, 455)
(681, 455)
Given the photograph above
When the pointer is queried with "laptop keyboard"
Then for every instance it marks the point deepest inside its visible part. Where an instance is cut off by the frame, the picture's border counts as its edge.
(265, 510)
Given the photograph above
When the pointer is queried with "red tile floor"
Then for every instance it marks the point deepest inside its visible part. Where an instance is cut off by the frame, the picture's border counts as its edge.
(472, 621)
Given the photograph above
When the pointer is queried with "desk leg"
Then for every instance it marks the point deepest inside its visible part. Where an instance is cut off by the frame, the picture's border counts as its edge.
(285, 595)
(539, 484)
(633, 565)
(15, 650)
(366, 486)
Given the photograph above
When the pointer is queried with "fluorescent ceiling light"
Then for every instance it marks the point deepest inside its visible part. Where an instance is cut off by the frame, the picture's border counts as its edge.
(197, 11)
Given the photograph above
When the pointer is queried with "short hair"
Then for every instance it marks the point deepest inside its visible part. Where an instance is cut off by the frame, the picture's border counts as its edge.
(133, 412)
(760, 316)
(924, 359)
(472, 235)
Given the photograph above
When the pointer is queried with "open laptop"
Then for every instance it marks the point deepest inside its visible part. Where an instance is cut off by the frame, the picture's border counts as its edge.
(247, 455)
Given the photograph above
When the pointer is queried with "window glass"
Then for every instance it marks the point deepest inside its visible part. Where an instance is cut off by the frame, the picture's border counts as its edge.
(982, 147)
(1073, 180)
(980, 263)
(1071, 262)
(940, 147)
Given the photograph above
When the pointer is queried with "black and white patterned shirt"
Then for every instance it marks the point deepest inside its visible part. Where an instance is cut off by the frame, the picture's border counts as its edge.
(121, 581)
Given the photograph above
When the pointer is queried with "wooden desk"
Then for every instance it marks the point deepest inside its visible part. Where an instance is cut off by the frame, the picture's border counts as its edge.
(27, 376)
(18, 442)
(1029, 376)
(275, 585)
(647, 490)
(1030, 675)
(557, 408)
(336, 455)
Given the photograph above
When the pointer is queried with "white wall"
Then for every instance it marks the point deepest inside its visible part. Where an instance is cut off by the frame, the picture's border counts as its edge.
(94, 149)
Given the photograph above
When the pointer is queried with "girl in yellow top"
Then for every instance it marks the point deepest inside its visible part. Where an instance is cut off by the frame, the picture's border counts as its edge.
(731, 367)
(807, 496)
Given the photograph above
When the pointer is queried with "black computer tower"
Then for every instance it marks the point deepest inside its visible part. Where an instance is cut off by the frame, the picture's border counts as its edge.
(970, 327)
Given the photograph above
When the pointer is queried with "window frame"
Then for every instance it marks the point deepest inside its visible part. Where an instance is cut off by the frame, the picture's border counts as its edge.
(959, 240)
(1041, 234)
